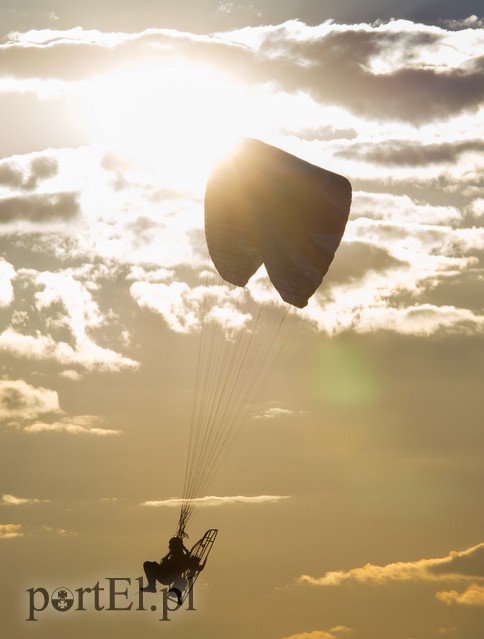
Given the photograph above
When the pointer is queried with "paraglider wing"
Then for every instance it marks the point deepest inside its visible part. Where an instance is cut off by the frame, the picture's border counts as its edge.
(264, 205)
(229, 228)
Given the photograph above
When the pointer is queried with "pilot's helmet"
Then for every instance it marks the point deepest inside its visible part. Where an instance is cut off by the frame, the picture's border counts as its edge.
(175, 542)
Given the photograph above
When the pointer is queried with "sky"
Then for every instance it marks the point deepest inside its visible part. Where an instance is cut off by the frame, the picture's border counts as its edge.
(350, 506)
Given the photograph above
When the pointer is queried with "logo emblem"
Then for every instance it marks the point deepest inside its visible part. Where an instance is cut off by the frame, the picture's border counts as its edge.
(62, 599)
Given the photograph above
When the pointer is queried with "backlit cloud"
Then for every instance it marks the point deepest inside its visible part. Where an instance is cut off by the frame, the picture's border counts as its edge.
(10, 531)
(366, 67)
(75, 425)
(333, 633)
(36, 409)
(38, 208)
(66, 319)
(276, 411)
(19, 401)
(403, 153)
(12, 500)
(457, 566)
(7, 274)
(395, 70)
(411, 258)
(471, 596)
(218, 501)
(14, 175)
(185, 308)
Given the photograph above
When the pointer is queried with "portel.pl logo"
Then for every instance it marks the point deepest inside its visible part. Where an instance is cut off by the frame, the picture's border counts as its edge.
(118, 594)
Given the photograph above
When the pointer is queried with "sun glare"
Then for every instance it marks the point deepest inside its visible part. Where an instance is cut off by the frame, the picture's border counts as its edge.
(176, 119)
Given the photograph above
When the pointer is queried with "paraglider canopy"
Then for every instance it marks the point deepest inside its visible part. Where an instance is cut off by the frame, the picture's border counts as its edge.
(266, 206)
(262, 206)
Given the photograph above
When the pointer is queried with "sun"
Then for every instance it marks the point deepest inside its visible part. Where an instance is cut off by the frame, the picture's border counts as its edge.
(175, 119)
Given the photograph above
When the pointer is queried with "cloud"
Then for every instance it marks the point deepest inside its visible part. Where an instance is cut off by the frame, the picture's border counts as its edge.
(185, 309)
(11, 175)
(176, 302)
(423, 319)
(384, 303)
(471, 22)
(466, 563)
(224, 7)
(7, 274)
(332, 633)
(41, 167)
(393, 71)
(23, 406)
(74, 54)
(85, 353)
(471, 596)
(396, 70)
(19, 401)
(55, 531)
(66, 319)
(218, 501)
(39, 208)
(10, 531)
(275, 411)
(406, 153)
(74, 425)
(399, 209)
(402, 267)
(326, 132)
(458, 565)
(11, 500)
(71, 374)
(409, 243)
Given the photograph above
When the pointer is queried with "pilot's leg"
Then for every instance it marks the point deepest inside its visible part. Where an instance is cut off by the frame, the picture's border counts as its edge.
(152, 569)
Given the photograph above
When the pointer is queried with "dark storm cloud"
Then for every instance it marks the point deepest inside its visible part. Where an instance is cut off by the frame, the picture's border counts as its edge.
(39, 208)
(40, 168)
